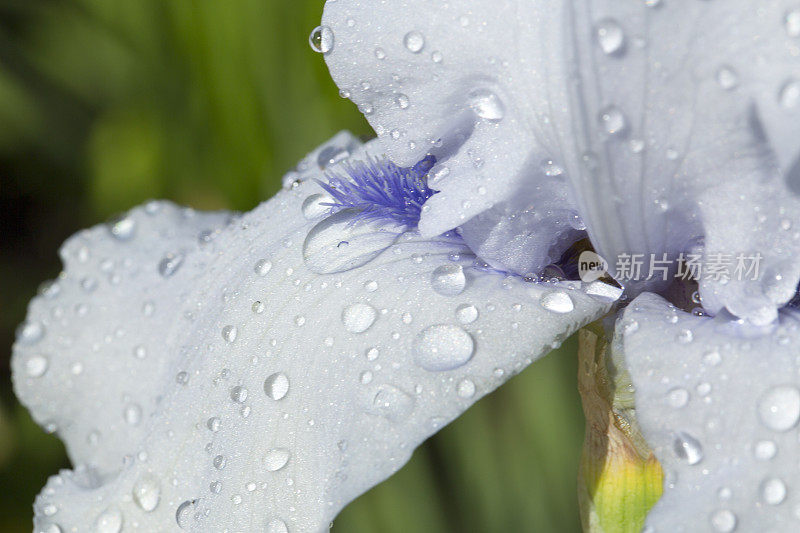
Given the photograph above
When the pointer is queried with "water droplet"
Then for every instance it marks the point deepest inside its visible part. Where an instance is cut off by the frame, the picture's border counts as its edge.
(170, 264)
(792, 23)
(258, 307)
(610, 36)
(276, 459)
(321, 39)
(764, 450)
(380, 53)
(436, 56)
(313, 206)
(358, 318)
(109, 521)
(402, 101)
(723, 521)
(449, 280)
(557, 302)
(263, 266)
(365, 377)
(789, 95)
(678, 397)
(185, 512)
(687, 448)
(712, 358)
(443, 347)
(147, 492)
(466, 388)
(773, 491)
(276, 386)
(466, 313)
(392, 403)
(276, 525)
(612, 121)
(487, 105)
(36, 366)
(122, 228)
(414, 41)
(182, 378)
(132, 414)
(684, 336)
(214, 424)
(30, 333)
(238, 394)
(727, 78)
(779, 408)
(229, 333)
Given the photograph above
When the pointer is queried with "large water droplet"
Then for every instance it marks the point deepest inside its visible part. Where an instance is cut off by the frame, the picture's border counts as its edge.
(610, 36)
(276, 386)
(321, 39)
(449, 280)
(276, 525)
(487, 105)
(342, 242)
(185, 512)
(687, 448)
(392, 403)
(330, 155)
(122, 228)
(170, 264)
(358, 318)
(779, 408)
(109, 521)
(276, 459)
(773, 491)
(612, 121)
(443, 347)
(147, 492)
(414, 41)
(557, 302)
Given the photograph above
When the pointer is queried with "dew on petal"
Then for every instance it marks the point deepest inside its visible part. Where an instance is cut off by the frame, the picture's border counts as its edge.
(443, 347)
(612, 121)
(238, 394)
(789, 96)
(764, 450)
(557, 302)
(30, 332)
(779, 408)
(276, 459)
(487, 105)
(414, 41)
(276, 525)
(392, 403)
(466, 313)
(184, 513)
(170, 264)
(36, 366)
(466, 388)
(321, 39)
(122, 228)
(229, 333)
(313, 206)
(610, 36)
(109, 521)
(723, 521)
(773, 491)
(147, 492)
(263, 266)
(687, 448)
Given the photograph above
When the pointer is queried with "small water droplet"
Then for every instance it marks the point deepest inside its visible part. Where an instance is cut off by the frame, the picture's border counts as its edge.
(392, 403)
(321, 39)
(687, 448)
(443, 347)
(122, 228)
(773, 491)
(276, 459)
(789, 95)
(109, 521)
(358, 317)
(36, 366)
(792, 23)
(466, 313)
(185, 512)
(313, 206)
(779, 408)
(678, 397)
(610, 36)
(263, 266)
(214, 424)
(466, 388)
(612, 121)
(30, 333)
(276, 386)
(229, 333)
(764, 450)
(276, 525)
(258, 307)
(170, 264)
(487, 105)
(414, 41)
(684, 336)
(449, 280)
(238, 394)
(723, 521)
(557, 302)
(147, 492)
(132, 414)
(727, 78)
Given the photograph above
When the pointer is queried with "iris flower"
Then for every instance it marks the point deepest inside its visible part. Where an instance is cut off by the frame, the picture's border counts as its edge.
(257, 372)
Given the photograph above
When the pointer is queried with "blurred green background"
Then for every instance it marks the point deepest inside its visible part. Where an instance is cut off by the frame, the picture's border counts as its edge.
(106, 103)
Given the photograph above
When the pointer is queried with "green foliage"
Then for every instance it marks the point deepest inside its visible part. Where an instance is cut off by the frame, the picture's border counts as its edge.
(105, 103)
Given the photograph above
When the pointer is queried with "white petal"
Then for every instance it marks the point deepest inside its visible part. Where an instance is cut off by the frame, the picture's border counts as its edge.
(674, 121)
(719, 402)
(273, 394)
